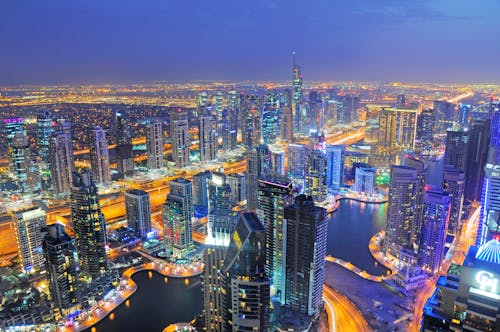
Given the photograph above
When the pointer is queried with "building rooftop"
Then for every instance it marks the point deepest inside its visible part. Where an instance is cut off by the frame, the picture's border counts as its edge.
(489, 252)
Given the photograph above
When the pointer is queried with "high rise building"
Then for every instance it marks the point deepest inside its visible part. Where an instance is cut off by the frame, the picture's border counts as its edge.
(401, 101)
(464, 111)
(278, 162)
(61, 162)
(229, 128)
(445, 114)
(350, 105)
(296, 94)
(61, 264)
(334, 167)
(454, 184)
(306, 235)
(213, 287)
(207, 131)
(315, 175)
(287, 125)
(296, 164)
(154, 145)
(457, 148)
(217, 102)
(28, 226)
(258, 164)
(479, 136)
(275, 192)
(179, 134)
(411, 160)
(89, 224)
(11, 127)
(24, 165)
(238, 184)
(99, 155)
(489, 224)
(365, 180)
(220, 216)
(251, 120)
(434, 226)
(246, 304)
(425, 130)
(270, 118)
(177, 214)
(400, 212)
(138, 209)
(468, 297)
(202, 101)
(200, 190)
(45, 129)
(124, 156)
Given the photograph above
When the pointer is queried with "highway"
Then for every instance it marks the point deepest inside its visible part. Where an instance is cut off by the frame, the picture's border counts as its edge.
(343, 312)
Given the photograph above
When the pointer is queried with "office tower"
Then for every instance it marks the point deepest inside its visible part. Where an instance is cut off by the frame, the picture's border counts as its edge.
(138, 209)
(89, 224)
(365, 180)
(61, 264)
(306, 235)
(64, 126)
(251, 120)
(425, 130)
(238, 184)
(154, 145)
(457, 148)
(400, 212)
(445, 115)
(296, 94)
(303, 116)
(179, 134)
(433, 234)
(454, 184)
(229, 128)
(200, 190)
(246, 284)
(396, 133)
(479, 137)
(275, 192)
(464, 111)
(418, 211)
(61, 162)
(28, 226)
(467, 298)
(99, 155)
(24, 165)
(350, 105)
(217, 102)
(202, 102)
(11, 127)
(258, 164)
(278, 162)
(316, 118)
(221, 221)
(296, 164)
(401, 101)
(45, 128)
(286, 127)
(315, 175)
(207, 132)
(489, 223)
(177, 214)
(233, 102)
(332, 107)
(334, 167)
(212, 287)
(124, 156)
(270, 118)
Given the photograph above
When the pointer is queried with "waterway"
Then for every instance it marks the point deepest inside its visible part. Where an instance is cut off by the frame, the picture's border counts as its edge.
(350, 228)
(156, 304)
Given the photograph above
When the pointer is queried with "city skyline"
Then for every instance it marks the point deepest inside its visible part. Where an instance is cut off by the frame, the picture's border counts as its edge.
(128, 42)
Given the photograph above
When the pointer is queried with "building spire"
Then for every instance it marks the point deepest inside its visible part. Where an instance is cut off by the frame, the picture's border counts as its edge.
(293, 53)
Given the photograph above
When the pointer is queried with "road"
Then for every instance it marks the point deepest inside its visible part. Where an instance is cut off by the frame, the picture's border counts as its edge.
(343, 312)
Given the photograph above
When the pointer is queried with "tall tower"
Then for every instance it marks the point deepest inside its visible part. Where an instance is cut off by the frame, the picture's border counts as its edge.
(258, 164)
(220, 216)
(457, 148)
(207, 131)
(286, 127)
(138, 212)
(425, 130)
(296, 164)
(124, 156)
(315, 175)
(179, 134)
(334, 167)
(479, 136)
(28, 226)
(200, 190)
(99, 155)
(296, 93)
(432, 240)
(155, 147)
(24, 164)
(275, 192)
(61, 161)
(11, 127)
(61, 265)
(270, 118)
(251, 120)
(454, 185)
(306, 235)
(246, 284)
(89, 224)
(45, 129)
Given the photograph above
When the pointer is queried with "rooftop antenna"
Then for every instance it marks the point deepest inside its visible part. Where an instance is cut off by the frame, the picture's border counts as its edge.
(293, 53)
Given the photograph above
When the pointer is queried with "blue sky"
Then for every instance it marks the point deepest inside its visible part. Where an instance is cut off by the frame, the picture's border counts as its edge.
(97, 41)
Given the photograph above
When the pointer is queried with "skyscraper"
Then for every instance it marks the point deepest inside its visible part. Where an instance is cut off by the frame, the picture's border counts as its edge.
(350, 105)
(124, 156)
(252, 120)
(246, 284)
(213, 287)
(296, 93)
(45, 128)
(286, 126)
(200, 190)
(238, 184)
(24, 165)
(315, 175)
(296, 164)
(433, 235)
(365, 180)
(479, 136)
(89, 224)
(177, 214)
(11, 127)
(99, 155)
(454, 184)
(270, 118)
(138, 211)
(425, 130)
(445, 115)
(229, 128)
(258, 164)
(401, 101)
(334, 167)
(418, 212)
(457, 148)
(61, 162)
(306, 235)
(220, 217)
(207, 131)
(278, 162)
(275, 192)
(179, 134)
(28, 226)
(154, 145)
(61, 265)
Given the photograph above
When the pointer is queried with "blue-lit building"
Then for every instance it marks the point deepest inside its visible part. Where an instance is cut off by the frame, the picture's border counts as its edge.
(296, 164)
(270, 118)
(138, 210)
(45, 128)
(334, 167)
(315, 175)
(200, 192)
(258, 164)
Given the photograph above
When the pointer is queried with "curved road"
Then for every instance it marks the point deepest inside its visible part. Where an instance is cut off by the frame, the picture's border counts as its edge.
(343, 312)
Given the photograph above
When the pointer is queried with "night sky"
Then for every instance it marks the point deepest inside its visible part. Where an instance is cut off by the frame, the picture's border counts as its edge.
(127, 41)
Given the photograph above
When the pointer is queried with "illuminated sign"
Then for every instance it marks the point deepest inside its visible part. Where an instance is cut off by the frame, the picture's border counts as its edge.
(486, 281)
